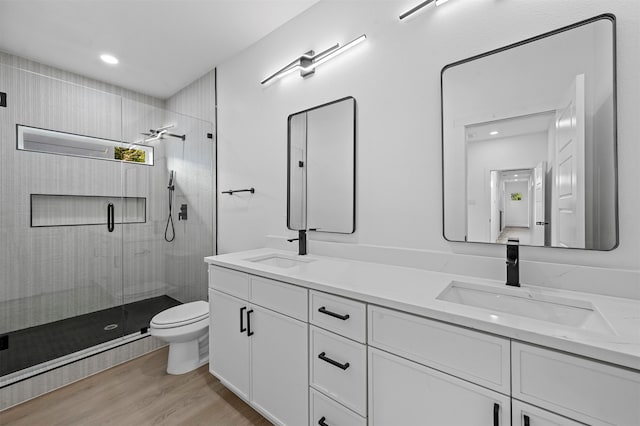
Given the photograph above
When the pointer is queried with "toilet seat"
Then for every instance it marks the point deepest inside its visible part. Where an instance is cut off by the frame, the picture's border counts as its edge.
(181, 315)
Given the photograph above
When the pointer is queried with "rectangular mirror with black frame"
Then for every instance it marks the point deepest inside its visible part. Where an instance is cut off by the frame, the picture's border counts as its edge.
(529, 141)
(321, 168)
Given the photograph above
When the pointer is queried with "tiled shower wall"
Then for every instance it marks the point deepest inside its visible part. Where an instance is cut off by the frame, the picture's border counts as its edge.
(36, 287)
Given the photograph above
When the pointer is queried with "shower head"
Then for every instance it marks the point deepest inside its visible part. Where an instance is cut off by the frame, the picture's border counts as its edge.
(171, 175)
(159, 133)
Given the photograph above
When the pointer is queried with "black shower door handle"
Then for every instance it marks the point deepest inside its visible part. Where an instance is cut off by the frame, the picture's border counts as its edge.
(110, 217)
(496, 414)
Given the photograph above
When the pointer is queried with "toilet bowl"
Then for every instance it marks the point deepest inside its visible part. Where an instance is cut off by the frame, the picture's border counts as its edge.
(186, 328)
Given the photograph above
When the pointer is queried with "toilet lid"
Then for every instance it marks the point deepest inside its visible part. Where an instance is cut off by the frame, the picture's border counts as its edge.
(184, 314)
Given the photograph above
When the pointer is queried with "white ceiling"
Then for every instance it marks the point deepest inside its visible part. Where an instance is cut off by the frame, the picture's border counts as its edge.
(526, 124)
(162, 45)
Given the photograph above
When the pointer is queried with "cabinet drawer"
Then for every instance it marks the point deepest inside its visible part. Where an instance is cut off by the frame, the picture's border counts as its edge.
(281, 297)
(331, 413)
(329, 355)
(405, 393)
(228, 281)
(585, 390)
(528, 415)
(343, 316)
(474, 356)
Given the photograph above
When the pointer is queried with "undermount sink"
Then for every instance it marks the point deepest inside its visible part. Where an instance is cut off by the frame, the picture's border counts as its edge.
(279, 260)
(523, 302)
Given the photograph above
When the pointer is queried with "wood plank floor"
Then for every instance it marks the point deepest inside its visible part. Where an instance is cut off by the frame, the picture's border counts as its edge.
(138, 392)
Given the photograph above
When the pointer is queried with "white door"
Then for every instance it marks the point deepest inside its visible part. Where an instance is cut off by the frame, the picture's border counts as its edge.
(528, 415)
(495, 206)
(403, 393)
(539, 221)
(228, 342)
(279, 372)
(568, 191)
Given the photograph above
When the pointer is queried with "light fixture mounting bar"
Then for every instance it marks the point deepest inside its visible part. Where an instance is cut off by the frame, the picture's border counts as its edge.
(308, 61)
(416, 8)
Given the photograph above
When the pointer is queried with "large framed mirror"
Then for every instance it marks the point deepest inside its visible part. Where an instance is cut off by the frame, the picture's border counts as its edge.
(529, 141)
(321, 168)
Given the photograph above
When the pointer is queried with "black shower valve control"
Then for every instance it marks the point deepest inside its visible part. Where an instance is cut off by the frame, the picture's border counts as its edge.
(182, 214)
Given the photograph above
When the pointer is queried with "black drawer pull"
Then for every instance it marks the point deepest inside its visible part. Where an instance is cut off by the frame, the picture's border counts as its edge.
(249, 332)
(323, 357)
(322, 422)
(242, 327)
(527, 422)
(323, 310)
(496, 414)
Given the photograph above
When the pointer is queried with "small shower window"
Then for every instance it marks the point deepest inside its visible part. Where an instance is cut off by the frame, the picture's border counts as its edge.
(62, 143)
(129, 154)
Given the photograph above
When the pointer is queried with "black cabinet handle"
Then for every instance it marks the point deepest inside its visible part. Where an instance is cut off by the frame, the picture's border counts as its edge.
(110, 217)
(323, 357)
(322, 422)
(527, 422)
(496, 414)
(249, 332)
(323, 310)
(242, 327)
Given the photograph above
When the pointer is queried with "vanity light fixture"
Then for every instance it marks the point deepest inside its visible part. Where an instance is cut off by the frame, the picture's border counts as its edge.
(308, 62)
(420, 6)
(109, 59)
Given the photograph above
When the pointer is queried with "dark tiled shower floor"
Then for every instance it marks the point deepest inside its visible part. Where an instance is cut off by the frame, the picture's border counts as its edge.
(35, 345)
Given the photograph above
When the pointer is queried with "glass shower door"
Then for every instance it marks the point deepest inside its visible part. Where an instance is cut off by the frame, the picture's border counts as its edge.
(163, 257)
(61, 275)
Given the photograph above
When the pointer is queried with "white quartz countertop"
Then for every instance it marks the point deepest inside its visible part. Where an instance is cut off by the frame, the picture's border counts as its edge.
(415, 291)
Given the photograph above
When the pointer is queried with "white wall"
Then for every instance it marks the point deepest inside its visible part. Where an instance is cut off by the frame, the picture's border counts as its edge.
(509, 153)
(517, 211)
(395, 78)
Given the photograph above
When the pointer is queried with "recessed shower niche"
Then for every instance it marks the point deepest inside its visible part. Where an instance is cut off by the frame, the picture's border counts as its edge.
(75, 210)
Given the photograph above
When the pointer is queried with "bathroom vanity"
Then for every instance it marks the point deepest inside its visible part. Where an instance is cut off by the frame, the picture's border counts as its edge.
(325, 341)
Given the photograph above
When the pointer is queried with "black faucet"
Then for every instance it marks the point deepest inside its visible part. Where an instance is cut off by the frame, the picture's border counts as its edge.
(302, 241)
(513, 262)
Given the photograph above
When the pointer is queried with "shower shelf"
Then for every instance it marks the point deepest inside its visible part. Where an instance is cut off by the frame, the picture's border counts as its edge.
(75, 210)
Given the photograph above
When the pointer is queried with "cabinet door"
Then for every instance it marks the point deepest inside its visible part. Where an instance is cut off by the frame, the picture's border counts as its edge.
(279, 373)
(528, 415)
(228, 345)
(403, 393)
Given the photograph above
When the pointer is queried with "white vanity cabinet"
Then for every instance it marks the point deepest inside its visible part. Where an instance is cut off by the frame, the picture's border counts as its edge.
(259, 346)
(417, 367)
(405, 393)
(337, 360)
(228, 342)
(588, 391)
(523, 414)
(302, 356)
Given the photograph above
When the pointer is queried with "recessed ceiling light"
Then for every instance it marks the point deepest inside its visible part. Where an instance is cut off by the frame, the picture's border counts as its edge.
(493, 133)
(515, 175)
(109, 59)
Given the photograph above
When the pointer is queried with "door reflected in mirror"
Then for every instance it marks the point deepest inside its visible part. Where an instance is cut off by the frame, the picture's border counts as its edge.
(321, 168)
(529, 141)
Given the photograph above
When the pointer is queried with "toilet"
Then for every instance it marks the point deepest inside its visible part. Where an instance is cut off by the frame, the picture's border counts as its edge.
(186, 328)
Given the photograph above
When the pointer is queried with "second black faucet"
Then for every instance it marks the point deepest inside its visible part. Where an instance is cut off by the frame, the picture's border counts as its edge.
(302, 241)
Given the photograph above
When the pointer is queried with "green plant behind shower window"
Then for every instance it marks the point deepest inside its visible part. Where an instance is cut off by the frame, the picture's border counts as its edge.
(129, 154)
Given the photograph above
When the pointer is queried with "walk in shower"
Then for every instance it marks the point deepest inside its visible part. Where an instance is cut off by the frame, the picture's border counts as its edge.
(84, 205)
